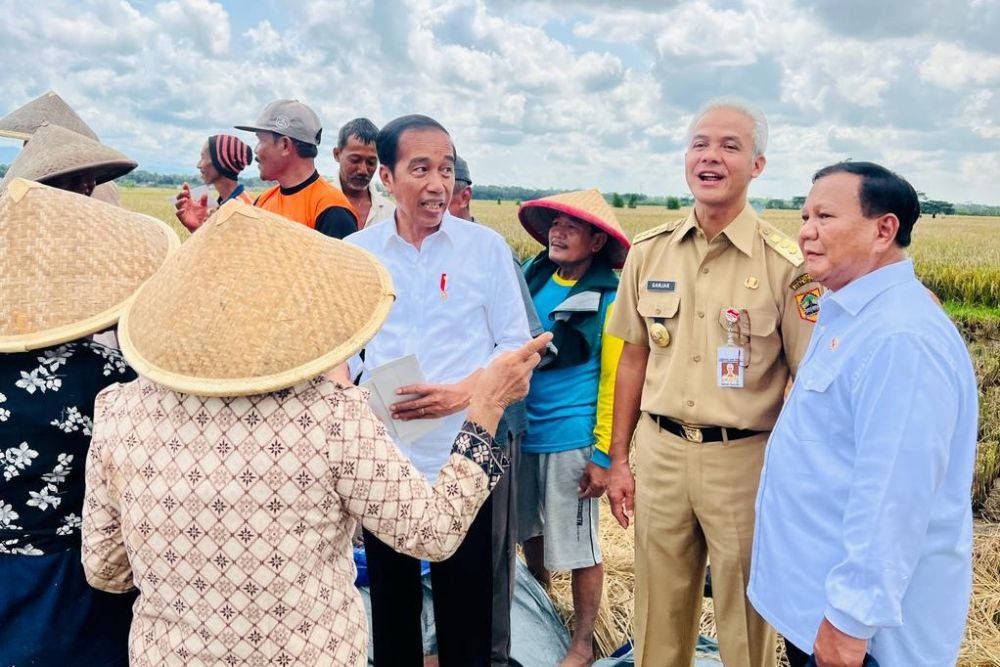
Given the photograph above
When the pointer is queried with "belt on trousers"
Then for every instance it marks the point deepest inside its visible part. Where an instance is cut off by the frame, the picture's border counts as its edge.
(703, 434)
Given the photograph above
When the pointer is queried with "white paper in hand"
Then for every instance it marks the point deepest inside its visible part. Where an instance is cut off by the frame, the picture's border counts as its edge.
(383, 383)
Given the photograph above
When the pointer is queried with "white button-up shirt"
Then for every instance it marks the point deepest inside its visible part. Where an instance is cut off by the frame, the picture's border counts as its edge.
(864, 510)
(458, 304)
(382, 207)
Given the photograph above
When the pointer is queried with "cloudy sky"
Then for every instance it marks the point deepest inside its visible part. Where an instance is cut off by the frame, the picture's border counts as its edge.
(551, 94)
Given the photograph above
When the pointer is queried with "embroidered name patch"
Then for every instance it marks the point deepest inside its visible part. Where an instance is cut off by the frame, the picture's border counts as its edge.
(808, 303)
(661, 285)
(801, 281)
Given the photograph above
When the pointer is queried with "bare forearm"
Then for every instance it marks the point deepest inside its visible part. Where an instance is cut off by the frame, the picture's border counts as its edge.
(629, 379)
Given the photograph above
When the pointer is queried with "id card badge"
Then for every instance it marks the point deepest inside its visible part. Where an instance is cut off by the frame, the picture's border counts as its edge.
(729, 367)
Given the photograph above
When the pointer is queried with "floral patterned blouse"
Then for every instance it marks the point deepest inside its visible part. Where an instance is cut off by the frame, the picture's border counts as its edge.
(234, 518)
(46, 405)
(48, 613)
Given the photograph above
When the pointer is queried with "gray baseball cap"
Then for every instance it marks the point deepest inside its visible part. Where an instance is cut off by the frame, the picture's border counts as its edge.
(290, 118)
(462, 170)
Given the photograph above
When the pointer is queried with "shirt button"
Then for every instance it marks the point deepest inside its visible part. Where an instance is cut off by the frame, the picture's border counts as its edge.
(701, 315)
(690, 404)
(697, 357)
(705, 270)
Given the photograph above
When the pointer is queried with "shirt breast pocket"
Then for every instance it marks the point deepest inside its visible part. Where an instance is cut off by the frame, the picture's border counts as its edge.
(660, 314)
(813, 410)
(765, 346)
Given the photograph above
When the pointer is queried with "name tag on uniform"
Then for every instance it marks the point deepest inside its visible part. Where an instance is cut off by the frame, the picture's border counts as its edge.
(661, 285)
(729, 367)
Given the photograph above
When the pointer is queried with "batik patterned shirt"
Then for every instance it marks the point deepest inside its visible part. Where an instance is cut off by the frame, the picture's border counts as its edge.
(234, 518)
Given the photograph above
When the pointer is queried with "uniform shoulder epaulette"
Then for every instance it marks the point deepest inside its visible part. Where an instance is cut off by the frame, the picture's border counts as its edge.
(665, 228)
(781, 243)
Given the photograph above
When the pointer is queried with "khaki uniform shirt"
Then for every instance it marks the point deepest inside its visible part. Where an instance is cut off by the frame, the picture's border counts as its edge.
(675, 277)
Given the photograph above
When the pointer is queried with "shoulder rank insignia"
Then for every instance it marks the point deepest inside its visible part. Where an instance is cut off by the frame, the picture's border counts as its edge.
(801, 281)
(781, 244)
(659, 229)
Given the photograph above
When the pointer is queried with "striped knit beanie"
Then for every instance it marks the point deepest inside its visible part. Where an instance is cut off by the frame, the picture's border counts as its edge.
(229, 155)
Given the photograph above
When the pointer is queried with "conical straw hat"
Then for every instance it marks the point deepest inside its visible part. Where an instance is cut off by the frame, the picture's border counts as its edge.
(253, 303)
(107, 193)
(22, 122)
(587, 205)
(68, 263)
(55, 151)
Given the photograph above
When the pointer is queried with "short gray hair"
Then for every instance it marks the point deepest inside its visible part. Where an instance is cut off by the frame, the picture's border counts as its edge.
(751, 111)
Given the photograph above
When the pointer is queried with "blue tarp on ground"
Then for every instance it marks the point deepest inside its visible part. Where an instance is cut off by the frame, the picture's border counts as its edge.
(538, 637)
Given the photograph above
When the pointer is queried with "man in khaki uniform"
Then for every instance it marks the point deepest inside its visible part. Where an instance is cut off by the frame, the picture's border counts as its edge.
(716, 311)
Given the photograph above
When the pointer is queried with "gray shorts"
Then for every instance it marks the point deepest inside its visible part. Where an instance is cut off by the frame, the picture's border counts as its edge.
(547, 505)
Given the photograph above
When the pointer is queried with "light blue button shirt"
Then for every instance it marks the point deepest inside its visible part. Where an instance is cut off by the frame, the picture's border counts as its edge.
(452, 331)
(864, 510)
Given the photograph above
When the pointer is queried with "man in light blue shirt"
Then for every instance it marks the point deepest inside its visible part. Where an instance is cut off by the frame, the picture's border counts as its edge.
(864, 525)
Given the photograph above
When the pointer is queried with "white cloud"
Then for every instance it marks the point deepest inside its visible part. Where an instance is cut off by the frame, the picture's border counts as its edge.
(950, 66)
(540, 93)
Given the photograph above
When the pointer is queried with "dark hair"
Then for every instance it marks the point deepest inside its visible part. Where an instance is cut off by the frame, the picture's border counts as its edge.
(302, 149)
(881, 191)
(387, 141)
(362, 128)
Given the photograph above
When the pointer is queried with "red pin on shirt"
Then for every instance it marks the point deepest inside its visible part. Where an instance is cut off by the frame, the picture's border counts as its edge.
(444, 286)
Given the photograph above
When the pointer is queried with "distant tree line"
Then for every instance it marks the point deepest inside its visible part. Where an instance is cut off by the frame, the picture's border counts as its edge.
(932, 207)
(149, 179)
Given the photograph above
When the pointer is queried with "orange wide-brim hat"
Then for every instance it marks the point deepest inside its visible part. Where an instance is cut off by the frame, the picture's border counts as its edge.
(589, 206)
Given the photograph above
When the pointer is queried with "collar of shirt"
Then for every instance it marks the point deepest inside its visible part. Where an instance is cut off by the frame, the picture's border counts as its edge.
(443, 232)
(858, 293)
(740, 231)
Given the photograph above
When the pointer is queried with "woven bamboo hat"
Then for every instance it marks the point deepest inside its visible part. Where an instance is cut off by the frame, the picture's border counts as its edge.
(107, 193)
(22, 122)
(587, 205)
(253, 303)
(68, 263)
(55, 151)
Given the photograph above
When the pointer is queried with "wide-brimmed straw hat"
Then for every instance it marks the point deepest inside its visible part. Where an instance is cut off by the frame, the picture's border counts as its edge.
(587, 205)
(55, 151)
(107, 193)
(253, 303)
(22, 122)
(68, 263)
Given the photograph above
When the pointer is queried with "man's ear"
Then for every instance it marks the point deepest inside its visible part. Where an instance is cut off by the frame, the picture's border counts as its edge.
(758, 166)
(886, 228)
(336, 154)
(598, 242)
(385, 175)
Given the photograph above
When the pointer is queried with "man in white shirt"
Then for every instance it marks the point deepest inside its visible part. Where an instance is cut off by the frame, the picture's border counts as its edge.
(864, 527)
(457, 306)
(357, 161)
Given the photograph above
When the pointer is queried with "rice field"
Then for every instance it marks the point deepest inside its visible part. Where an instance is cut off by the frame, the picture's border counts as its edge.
(957, 257)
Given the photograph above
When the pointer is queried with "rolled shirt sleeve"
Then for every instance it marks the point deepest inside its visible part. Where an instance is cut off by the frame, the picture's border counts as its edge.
(105, 561)
(902, 458)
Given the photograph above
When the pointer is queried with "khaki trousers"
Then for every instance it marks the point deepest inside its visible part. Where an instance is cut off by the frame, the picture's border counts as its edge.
(693, 500)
